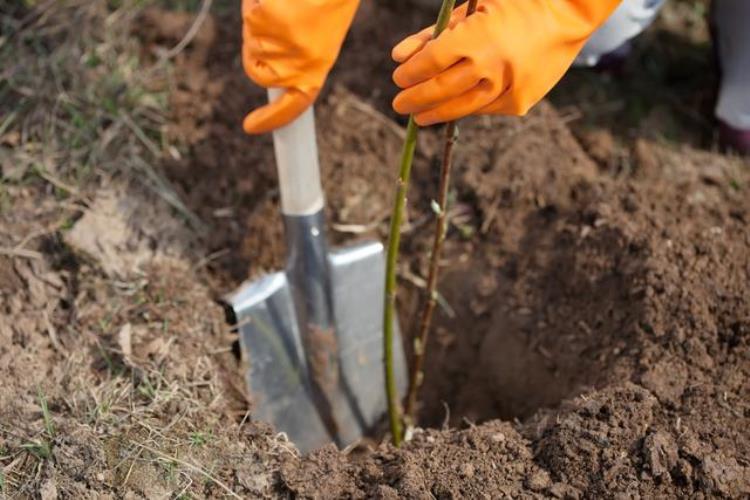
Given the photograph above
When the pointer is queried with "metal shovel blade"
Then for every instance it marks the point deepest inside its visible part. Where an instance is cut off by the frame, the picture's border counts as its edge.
(273, 347)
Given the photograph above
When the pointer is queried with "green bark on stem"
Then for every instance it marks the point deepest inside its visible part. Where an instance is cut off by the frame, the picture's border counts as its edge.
(394, 239)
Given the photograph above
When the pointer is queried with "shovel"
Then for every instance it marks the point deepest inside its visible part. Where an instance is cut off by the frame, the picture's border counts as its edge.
(312, 334)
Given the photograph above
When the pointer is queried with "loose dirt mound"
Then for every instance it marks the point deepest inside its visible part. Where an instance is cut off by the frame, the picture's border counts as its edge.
(574, 281)
(595, 338)
(635, 287)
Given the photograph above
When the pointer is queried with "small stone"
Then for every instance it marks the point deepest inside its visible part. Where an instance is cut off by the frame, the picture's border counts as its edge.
(538, 481)
(467, 470)
(384, 492)
(48, 491)
(498, 438)
(660, 452)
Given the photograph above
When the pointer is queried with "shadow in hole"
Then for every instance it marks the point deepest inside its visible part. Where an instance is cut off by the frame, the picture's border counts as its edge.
(546, 325)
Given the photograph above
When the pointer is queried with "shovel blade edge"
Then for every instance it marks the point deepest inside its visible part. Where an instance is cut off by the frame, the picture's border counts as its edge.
(269, 337)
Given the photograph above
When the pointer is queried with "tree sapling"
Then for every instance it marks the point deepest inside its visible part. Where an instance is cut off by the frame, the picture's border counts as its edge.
(407, 157)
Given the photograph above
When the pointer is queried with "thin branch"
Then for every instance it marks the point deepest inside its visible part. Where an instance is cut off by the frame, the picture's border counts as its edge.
(21, 252)
(389, 314)
(379, 117)
(47, 176)
(194, 29)
(416, 375)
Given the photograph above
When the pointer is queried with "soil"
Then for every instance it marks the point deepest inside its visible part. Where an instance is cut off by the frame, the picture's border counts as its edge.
(595, 337)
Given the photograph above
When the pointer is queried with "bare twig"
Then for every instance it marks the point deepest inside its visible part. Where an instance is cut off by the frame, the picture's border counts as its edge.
(152, 180)
(194, 29)
(141, 135)
(192, 467)
(379, 117)
(210, 258)
(60, 184)
(52, 332)
(416, 374)
(21, 252)
(355, 228)
(33, 17)
(34, 234)
(389, 315)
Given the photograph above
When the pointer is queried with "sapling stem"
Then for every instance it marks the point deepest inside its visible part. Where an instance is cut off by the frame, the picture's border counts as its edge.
(416, 374)
(394, 239)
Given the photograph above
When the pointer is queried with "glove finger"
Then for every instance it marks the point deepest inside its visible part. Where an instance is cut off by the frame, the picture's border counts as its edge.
(436, 56)
(414, 43)
(451, 83)
(411, 45)
(458, 107)
(429, 62)
(278, 113)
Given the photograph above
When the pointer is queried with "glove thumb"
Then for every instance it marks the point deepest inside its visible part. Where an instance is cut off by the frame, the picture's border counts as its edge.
(282, 111)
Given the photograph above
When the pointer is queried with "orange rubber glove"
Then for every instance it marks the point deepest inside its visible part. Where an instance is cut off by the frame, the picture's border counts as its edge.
(502, 59)
(291, 44)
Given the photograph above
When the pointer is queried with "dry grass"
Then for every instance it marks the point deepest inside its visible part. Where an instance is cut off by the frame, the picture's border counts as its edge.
(137, 390)
(81, 105)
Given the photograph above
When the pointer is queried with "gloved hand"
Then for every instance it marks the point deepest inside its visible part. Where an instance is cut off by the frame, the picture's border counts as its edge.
(291, 44)
(502, 59)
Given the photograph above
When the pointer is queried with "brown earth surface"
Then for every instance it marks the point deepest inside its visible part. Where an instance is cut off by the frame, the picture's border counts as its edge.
(595, 341)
